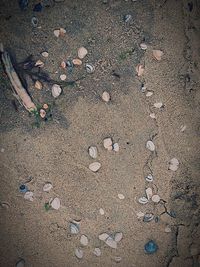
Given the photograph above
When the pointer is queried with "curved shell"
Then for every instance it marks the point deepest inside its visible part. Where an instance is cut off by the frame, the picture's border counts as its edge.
(143, 46)
(156, 198)
(95, 166)
(118, 237)
(79, 253)
(150, 145)
(74, 228)
(97, 252)
(157, 54)
(89, 68)
(47, 187)
(103, 236)
(149, 193)
(93, 152)
(149, 178)
(84, 240)
(55, 204)
(82, 52)
(107, 143)
(106, 96)
(148, 217)
(143, 200)
(56, 90)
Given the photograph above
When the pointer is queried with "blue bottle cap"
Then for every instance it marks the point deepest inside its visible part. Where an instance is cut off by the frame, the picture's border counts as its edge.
(150, 247)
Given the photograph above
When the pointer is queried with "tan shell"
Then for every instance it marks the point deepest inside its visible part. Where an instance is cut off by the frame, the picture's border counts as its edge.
(45, 106)
(95, 166)
(140, 69)
(111, 243)
(77, 62)
(84, 240)
(55, 204)
(107, 143)
(42, 113)
(38, 85)
(39, 63)
(56, 33)
(156, 198)
(149, 193)
(157, 54)
(143, 46)
(63, 77)
(116, 147)
(93, 152)
(63, 64)
(106, 96)
(82, 52)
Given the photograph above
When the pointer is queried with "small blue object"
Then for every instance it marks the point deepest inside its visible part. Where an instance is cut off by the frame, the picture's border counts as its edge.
(23, 4)
(23, 188)
(38, 7)
(150, 247)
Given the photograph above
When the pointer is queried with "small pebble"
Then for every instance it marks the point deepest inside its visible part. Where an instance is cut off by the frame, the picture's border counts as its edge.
(63, 65)
(103, 236)
(55, 204)
(63, 77)
(168, 229)
(121, 196)
(45, 54)
(77, 62)
(101, 211)
(38, 85)
(106, 96)
(156, 198)
(118, 237)
(34, 21)
(84, 240)
(47, 187)
(95, 166)
(158, 105)
(139, 214)
(152, 115)
(148, 94)
(42, 113)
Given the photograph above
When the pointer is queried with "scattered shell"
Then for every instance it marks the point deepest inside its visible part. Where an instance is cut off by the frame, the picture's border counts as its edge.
(79, 253)
(63, 77)
(107, 143)
(101, 211)
(173, 164)
(84, 240)
(103, 236)
(116, 147)
(156, 198)
(82, 52)
(118, 237)
(28, 195)
(20, 263)
(56, 33)
(97, 252)
(111, 243)
(148, 217)
(168, 229)
(93, 152)
(106, 96)
(127, 18)
(183, 127)
(149, 178)
(149, 193)
(56, 90)
(143, 46)
(55, 204)
(140, 214)
(152, 115)
(45, 54)
(63, 64)
(150, 145)
(118, 259)
(89, 68)
(47, 187)
(121, 196)
(95, 166)
(140, 69)
(158, 105)
(143, 200)
(74, 228)
(157, 54)
(77, 62)
(42, 113)
(62, 31)
(149, 93)
(39, 63)
(45, 106)
(38, 85)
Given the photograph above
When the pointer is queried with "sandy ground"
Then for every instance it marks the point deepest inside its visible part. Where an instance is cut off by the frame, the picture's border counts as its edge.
(57, 151)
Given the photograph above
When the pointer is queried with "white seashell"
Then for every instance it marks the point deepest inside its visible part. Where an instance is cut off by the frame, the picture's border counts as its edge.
(143, 46)
(111, 243)
(89, 68)
(106, 96)
(47, 187)
(20, 263)
(150, 145)
(149, 178)
(55, 204)
(158, 105)
(143, 200)
(149, 193)
(63, 77)
(152, 115)
(116, 147)
(173, 164)
(56, 90)
(29, 195)
(149, 93)
(103, 236)
(107, 143)
(79, 253)
(93, 152)
(118, 237)
(97, 252)
(121, 196)
(56, 33)
(139, 214)
(74, 228)
(82, 52)
(45, 54)
(118, 259)
(168, 229)
(101, 211)
(84, 240)
(95, 166)
(156, 198)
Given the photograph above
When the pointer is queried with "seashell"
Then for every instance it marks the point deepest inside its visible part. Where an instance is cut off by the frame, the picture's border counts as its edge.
(149, 93)
(45, 54)
(20, 263)
(56, 33)
(84, 240)
(121, 196)
(183, 128)
(38, 85)
(173, 164)
(148, 217)
(62, 32)
(95, 166)
(79, 253)
(143, 46)
(143, 200)
(118, 259)
(156, 198)
(116, 147)
(82, 52)
(45, 106)
(55, 204)
(149, 193)
(101, 211)
(2, 150)
(118, 237)
(150, 145)
(39, 63)
(140, 214)
(28, 195)
(140, 69)
(152, 115)
(111, 243)
(4, 205)
(63, 77)
(158, 105)
(89, 68)
(168, 229)
(77, 62)
(42, 113)
(157, 54)
(97, 252)
(47, 187)
(106, 96)
(103, 236)
(56, 90)
(74, 228)
(107, 143)
(63, 64)
(93, 152)
(149, 178)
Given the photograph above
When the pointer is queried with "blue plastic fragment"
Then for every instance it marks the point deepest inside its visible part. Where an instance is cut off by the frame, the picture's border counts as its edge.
(38, 7)
(150, 247)
(23, 188)
(23, 4)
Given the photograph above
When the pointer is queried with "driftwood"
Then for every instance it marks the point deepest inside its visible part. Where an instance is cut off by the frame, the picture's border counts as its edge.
(19, 91)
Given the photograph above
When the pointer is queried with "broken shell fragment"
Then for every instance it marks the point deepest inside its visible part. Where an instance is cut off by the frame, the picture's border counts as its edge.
(74, 228)
(56, 33)
(157, 54)
(45, 54)
(118, 237)
(28, 195)
(140, 214)
(149, 93)
(89, 68)
(121, 196)
(116, 147)
(143, 200)
(38, 85)
(173, 164)
(93, 152)
(55, 204)
(111, 243)
(79, 253)
(63, 64)
(150, 145)
(42, 113)
(62, 31)
(82, 52)
(140, 69)
(101, 211)
(149, 193)
(77, 62)
(39, 64)
(107, 143)
(63, 77)
(152, 115)
(84, 240)
(156, 198)
(143, 46)
(97, 252)
(148, 217)
(103, 236)
(56, 90)
(95, 166)
(168, 229)
(149, 178)
(158, 105)
(47, 187)
(106, 96)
